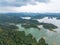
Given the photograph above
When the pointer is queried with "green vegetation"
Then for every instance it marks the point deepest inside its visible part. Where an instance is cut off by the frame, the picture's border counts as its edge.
(27, 26)
(35, 25)
(42, 42)
(16, 19)
(9, 34)
(8, 27)
(18, 38)
(49, 26)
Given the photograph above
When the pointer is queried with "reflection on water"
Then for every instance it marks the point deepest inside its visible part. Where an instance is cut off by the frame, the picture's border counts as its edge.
(51, 37)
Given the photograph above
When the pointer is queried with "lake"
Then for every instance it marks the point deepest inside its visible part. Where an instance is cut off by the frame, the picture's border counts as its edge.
(51, 37)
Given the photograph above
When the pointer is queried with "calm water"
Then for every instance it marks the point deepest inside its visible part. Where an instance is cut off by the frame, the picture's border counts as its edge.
(52, 38)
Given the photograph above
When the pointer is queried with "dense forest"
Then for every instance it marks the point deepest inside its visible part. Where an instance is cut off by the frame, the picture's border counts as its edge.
(14, 37)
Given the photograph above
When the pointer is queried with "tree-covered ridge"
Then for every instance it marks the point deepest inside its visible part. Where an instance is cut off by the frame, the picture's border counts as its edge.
(6, 26)
(32, 15)
(8, 19)
(35, 25)
(11, 37)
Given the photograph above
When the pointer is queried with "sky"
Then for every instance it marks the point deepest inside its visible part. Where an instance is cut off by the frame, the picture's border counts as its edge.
(34, 6)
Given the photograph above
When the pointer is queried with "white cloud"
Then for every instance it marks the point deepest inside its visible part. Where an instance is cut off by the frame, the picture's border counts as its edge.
(19, 2)
(52, 7)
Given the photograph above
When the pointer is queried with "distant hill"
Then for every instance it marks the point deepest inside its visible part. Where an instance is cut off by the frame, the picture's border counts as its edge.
(33, 15)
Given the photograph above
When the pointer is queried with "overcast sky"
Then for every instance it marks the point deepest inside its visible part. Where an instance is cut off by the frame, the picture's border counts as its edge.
(34, 6)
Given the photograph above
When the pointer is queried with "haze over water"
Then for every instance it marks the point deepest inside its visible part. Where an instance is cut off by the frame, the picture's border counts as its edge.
(50, 37)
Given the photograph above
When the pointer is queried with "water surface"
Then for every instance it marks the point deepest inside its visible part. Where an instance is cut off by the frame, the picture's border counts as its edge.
(51, 37)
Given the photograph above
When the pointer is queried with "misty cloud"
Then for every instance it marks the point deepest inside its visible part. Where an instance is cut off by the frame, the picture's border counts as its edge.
(42, 1)
(19, 2)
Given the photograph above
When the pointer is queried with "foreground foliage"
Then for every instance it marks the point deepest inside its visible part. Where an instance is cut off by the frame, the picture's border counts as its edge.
(8, 37)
